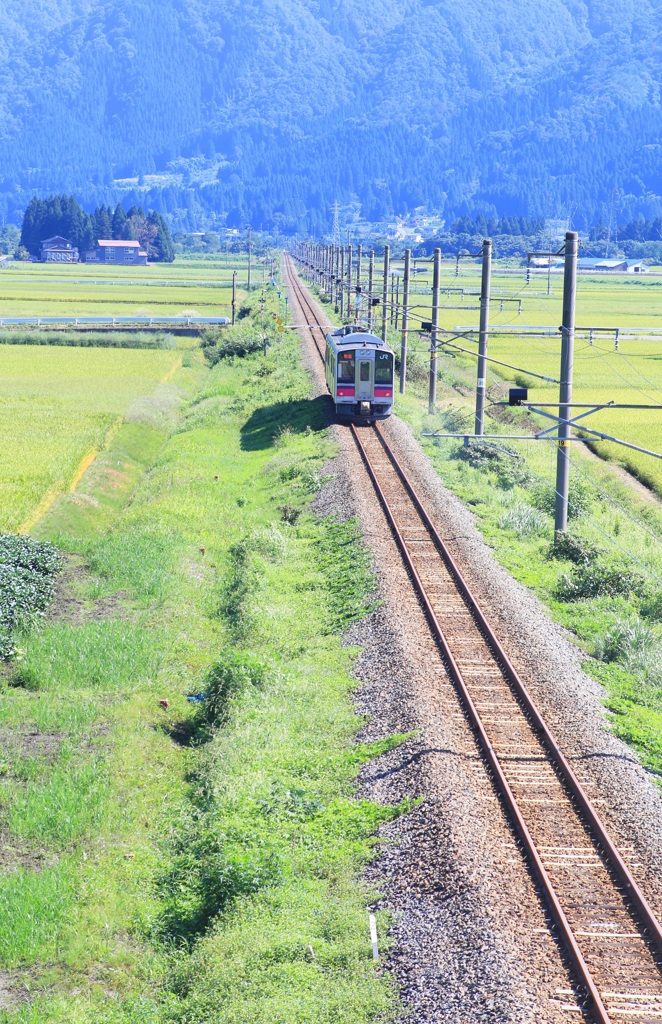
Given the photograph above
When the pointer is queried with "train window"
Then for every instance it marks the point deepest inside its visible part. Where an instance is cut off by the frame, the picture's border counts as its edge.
(346, 366)
(383, 368)
(364, 371)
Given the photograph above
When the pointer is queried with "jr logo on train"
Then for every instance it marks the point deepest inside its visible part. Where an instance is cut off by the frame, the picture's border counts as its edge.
(359, 374)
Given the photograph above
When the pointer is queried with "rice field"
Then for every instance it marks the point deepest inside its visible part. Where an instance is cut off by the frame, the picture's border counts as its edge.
(192, 287)
(57, 407)
(629, 373)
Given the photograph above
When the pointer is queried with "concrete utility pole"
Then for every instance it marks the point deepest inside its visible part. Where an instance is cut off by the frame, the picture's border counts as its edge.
(405, 321)
(371, 283)
(249, 259)
(483, 336)
(341, 282)
(234, 296)
(565, 389)
(387, 266)
(397, 302)
(349, 282)
(432, 403)
(359, 295)
(336, 276)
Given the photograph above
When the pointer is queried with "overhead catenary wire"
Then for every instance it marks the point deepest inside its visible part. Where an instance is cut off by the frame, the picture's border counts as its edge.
(612, 501)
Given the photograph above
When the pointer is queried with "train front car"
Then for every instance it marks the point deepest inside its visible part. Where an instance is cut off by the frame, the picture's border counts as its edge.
(359, 374)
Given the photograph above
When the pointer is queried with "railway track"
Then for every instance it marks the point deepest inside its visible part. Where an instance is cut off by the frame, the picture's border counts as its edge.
(594, 905)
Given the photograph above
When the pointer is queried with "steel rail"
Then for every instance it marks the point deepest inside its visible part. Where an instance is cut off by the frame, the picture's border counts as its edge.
(502, 785)
(652, 928)
(639, 906)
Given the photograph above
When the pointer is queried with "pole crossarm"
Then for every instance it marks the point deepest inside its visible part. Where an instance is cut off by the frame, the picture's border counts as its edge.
(498, 437)
(559, 419)
(559, 252)
(583, 405)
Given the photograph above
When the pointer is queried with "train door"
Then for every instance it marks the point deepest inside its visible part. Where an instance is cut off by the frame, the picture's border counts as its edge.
(364, 378)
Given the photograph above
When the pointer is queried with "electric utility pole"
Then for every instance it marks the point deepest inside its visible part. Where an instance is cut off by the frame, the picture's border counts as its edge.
(387, 264)
(434, 332)
(405, 321)
(249, 258)
(341, 281)
(371, 284)
(565, 389)
(234, 296)
(483, 336)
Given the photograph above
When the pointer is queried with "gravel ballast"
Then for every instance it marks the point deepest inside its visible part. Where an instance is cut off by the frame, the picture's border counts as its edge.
(469, 940)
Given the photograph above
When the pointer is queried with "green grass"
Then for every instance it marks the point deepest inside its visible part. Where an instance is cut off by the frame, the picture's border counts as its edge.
(106, 655)
(207, 867)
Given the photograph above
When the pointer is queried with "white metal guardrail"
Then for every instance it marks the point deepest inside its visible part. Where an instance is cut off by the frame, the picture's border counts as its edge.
(112, 321)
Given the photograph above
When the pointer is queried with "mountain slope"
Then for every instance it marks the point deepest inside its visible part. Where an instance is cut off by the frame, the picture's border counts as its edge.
(268, 111)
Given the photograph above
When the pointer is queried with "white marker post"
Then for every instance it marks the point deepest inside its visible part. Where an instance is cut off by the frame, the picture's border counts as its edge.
(373, 936)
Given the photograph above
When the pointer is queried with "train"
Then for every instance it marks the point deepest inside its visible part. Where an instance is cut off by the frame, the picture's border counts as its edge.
(359, 374)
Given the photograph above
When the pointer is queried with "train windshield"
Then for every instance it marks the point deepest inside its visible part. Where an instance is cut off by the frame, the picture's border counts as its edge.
(383, 368)
(346, 367)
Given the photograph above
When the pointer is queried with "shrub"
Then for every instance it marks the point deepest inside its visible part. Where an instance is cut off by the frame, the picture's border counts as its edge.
(27, 584)
(634, 643)
(509, 467)
(418, 368)
(233, 674)
(599, 579)
(580, 499)
(207, 876)
(238, 343)
(456, 421)
(237, 587)
(524, 520)
(29, 554)
(567, 548)
(513, 472)
(652, 607)
(479, 455)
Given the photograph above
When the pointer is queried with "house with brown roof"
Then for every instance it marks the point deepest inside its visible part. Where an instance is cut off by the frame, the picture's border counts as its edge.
(124, 252)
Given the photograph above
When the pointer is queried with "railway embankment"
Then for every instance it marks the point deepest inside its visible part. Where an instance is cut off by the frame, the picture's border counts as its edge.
(469, 936)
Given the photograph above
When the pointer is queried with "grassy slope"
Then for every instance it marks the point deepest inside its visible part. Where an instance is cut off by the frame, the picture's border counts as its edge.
(144, 841)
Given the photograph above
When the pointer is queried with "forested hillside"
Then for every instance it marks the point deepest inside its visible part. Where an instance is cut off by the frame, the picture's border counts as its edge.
(268, 110)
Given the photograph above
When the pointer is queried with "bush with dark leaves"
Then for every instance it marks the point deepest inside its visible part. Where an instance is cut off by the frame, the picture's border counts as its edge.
(233, 674)
(510, 468)
(27, 584)
(566, 547)
(599, 579)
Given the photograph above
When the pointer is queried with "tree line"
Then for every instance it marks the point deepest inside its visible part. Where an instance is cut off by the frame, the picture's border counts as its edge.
(63, 215)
